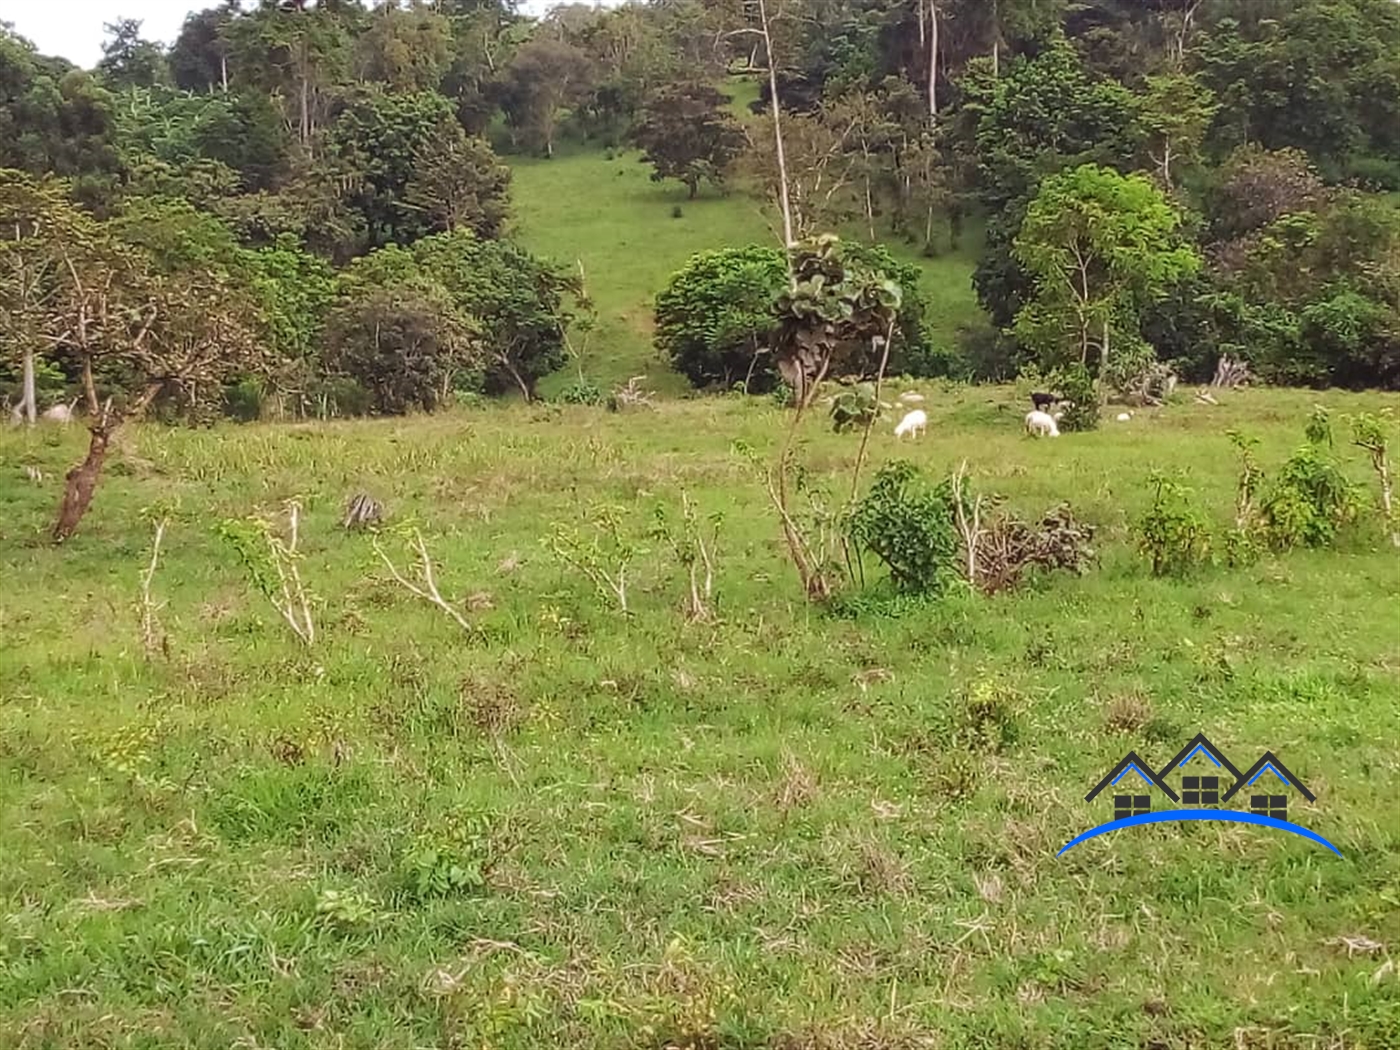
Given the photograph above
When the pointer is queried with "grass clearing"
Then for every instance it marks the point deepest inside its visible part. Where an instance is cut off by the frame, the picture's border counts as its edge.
(580, 205)
(570, 828)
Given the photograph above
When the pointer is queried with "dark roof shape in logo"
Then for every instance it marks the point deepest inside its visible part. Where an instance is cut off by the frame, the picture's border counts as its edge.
(1132, 761)
(1268, 761)
(1200, 743)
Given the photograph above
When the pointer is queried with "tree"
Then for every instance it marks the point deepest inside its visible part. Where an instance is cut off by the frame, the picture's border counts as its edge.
(381, 136)
(296, 55)
(1098, 245)
(1177, 110)
(241, 131)
(130, 332)
(1318, 75)
(714, 317)
(686, 133)
(28, 270)
(294, 291)
(812, 179)
(516, 300)
(544, 77)
(1044, 114)
(1310, 293)
(55, 119)
(128, 60)
(198, 59)
(459, 183)
(1255, 187)
(404, 49)
(405, 343)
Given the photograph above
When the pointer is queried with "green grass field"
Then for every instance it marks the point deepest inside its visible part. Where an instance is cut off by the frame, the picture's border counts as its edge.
(609, 215)
(570, 828)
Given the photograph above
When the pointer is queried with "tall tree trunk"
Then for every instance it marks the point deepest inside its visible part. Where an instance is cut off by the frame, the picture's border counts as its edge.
(28, 406)
(505, 361)
(778, 142)
(933, 60)
(81, 482)
(1103, 350)
(996, 40)
(869, 208)
(223, 71)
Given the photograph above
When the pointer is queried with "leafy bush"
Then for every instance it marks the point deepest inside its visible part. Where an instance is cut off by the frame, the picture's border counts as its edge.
(1372, 434)
(909, 527)
(1081, 396)
(447, 862)
(1310, 501)
(1244, 540)
(339, 397)
(403, 344)
(854, 408)
(581, 393)
(1378, 174)
(243, 400)
(714, 316)
(985, 720)
(1174, 533)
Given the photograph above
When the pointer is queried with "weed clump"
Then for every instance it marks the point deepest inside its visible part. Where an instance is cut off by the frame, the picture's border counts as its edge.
(1174, 534)
(909, 527)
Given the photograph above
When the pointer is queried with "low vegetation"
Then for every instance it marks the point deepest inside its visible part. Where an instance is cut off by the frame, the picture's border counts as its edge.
(393, 658)
(572, 825)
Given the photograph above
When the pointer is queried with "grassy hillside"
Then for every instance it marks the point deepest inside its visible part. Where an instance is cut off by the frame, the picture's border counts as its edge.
(625, 230)
(571, 828)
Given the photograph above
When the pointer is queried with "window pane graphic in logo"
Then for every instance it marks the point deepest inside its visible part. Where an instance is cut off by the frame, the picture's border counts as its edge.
(1269, 806)
(1131, 805)
(1200, 791)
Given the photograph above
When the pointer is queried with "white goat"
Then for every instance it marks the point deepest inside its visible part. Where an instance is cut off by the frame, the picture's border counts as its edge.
(1123, 417)
(60, 413)
(1041, 424)
(912, 424)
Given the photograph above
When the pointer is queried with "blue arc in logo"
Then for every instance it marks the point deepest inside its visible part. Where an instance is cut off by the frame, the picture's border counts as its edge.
(1199, 814)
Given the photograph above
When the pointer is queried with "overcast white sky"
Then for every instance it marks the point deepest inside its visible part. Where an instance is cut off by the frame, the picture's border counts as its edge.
(73, 28)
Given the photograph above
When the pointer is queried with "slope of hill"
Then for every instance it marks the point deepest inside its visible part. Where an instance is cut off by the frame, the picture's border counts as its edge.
(631, 234)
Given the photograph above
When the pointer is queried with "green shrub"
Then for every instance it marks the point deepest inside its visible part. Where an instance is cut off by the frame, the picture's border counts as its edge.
(339, 397)
(854, 408)
(908, 526)
(1310, 501)
(243, 401)
(447, 862)
(1378, 174)
(1174, 534)
(985, 721)
(581, 393)
(1081, 396)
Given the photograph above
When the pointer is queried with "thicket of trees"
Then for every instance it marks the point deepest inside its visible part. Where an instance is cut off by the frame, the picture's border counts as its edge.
(1212, 173)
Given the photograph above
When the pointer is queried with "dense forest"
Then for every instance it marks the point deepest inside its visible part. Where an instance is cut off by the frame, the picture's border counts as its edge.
(308, 204)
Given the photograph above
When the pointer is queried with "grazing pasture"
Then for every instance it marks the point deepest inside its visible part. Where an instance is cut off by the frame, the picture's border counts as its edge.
(570, 827)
